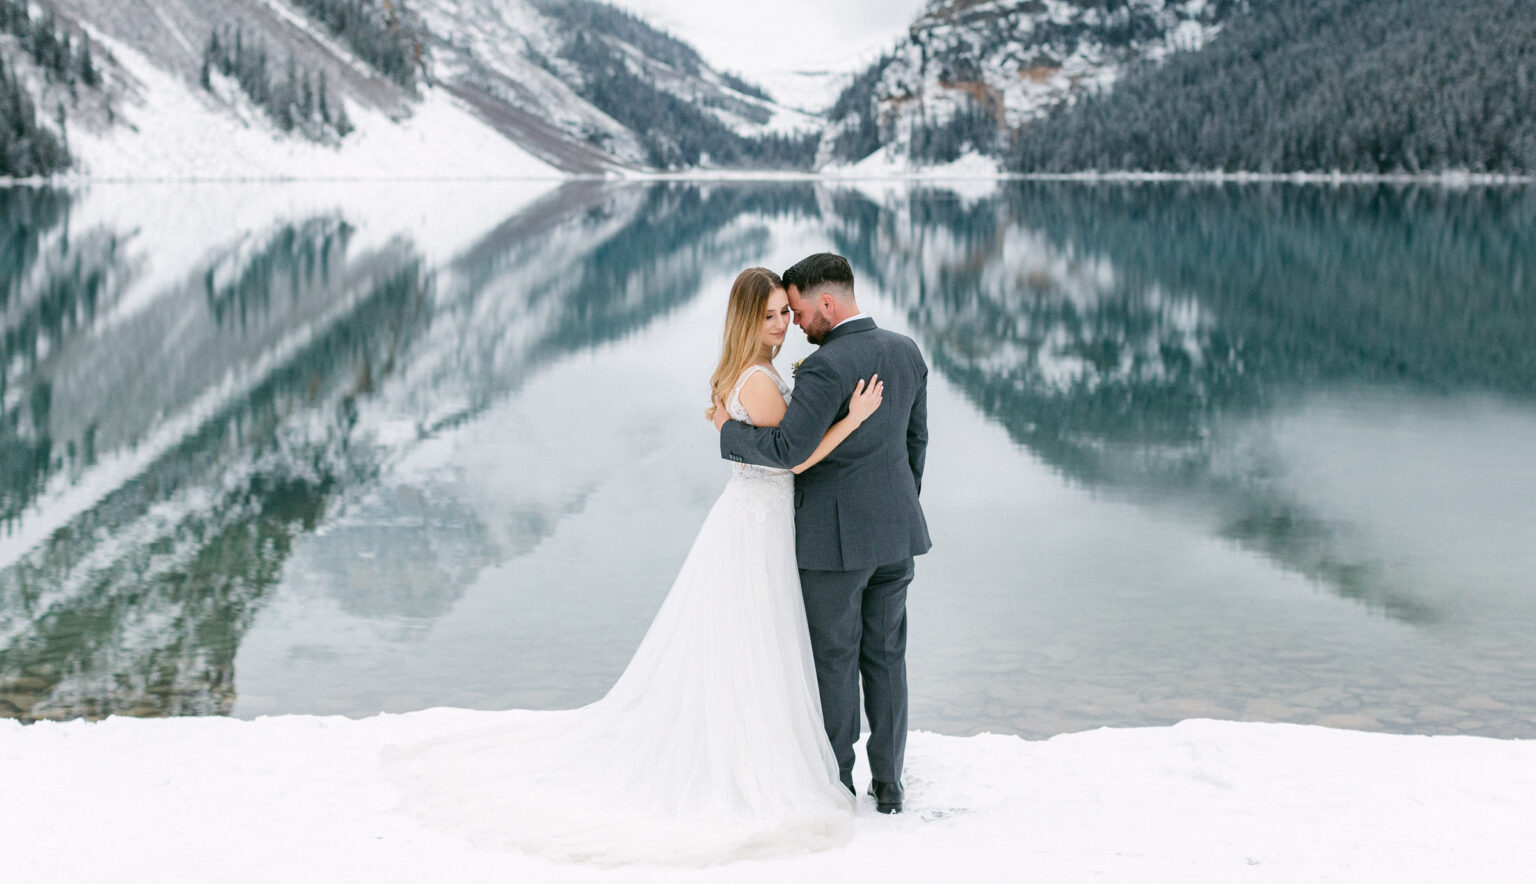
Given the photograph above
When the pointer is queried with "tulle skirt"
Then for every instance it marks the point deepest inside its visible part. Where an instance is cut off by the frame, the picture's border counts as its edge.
(709, 748)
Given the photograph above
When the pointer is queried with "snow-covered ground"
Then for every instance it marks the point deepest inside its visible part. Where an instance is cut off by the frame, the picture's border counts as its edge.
(893, 162)
(298, 798)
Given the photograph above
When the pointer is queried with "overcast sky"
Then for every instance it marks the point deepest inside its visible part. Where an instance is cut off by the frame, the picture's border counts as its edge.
(783, 35)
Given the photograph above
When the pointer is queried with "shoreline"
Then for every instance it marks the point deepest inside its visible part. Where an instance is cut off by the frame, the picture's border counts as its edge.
(1443, 179)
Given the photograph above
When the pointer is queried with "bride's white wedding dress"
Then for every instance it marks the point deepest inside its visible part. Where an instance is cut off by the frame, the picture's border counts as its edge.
(710, 746)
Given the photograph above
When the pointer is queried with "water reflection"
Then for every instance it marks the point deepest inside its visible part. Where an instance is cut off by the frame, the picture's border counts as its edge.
(50, 286)
(202, 431)
(177, 434)
(1117, 330)
(296, 258)
(165, 541)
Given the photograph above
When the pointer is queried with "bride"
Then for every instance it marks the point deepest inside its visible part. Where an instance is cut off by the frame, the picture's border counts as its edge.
(710, 746)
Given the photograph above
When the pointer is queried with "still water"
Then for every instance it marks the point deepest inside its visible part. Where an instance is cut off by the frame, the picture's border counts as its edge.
(1253, 452)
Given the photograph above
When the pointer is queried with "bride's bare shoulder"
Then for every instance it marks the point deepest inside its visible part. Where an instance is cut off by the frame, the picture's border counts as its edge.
(761, 398)
(759, 383)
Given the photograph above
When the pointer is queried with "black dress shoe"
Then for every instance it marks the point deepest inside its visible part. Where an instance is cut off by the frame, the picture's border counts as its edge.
(887, 796)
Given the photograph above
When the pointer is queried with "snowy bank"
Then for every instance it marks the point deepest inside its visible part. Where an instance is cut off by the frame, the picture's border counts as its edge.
(304, 798)
(892, 162)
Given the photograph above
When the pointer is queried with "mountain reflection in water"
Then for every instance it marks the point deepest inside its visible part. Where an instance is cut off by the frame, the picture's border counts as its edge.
(168, 437)
(1112, 329)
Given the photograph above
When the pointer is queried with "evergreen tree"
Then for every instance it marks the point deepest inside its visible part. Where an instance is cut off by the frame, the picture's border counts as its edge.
(61, 66)
(858, 102)
(343, 122)
(306, 96)
(378, 33)
(26, 148)
(743, 86)
(291, 103)
(970, 128)
(53, 48)
(591, 17)
(88, 73)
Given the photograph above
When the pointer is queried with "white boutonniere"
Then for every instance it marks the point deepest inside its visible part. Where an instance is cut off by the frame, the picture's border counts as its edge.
(794, 368)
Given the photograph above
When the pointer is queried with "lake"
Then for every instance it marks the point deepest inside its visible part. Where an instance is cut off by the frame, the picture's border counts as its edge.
(1257, 452)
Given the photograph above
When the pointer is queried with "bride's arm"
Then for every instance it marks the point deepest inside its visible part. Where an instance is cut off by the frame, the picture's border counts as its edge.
(861, 405)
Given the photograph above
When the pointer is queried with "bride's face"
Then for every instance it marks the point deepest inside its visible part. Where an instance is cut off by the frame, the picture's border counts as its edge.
(776, 320)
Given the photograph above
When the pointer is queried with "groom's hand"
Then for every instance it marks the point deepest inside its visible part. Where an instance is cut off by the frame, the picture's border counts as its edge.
(720, 416)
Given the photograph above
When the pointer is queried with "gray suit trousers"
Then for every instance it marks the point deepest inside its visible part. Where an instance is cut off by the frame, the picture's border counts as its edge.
(858, 624)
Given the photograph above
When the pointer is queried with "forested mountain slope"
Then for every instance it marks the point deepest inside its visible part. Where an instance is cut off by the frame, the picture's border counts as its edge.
(1279, 86)
(1359, 86)
(369, 88)
(491, 88)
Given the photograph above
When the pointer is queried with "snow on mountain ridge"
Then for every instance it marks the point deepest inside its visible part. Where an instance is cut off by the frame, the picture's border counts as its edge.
(499, 93)
(162, 124)
(1005, 62)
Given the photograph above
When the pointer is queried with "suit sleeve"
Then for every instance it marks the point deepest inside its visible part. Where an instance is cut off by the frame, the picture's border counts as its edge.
(819, 396)
(917, 427)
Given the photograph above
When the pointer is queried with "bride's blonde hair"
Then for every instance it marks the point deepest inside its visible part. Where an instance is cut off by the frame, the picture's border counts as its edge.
(744, 315)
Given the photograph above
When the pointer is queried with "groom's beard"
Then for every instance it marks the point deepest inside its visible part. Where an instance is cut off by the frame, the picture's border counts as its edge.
(816, 330)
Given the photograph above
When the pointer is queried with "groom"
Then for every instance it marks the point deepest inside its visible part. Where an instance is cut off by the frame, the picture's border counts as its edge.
(858, 523)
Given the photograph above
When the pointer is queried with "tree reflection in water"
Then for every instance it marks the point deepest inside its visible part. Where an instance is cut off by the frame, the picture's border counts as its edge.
(138, 603)
(1118, 332)
(1116, 329)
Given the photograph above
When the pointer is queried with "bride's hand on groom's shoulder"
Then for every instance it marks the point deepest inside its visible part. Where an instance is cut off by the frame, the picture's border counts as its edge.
(866, 398)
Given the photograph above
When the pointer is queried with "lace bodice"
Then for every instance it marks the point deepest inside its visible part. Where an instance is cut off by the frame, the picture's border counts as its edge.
(738, 412)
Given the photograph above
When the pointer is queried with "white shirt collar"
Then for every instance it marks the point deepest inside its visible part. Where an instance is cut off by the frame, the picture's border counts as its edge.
(852, 318)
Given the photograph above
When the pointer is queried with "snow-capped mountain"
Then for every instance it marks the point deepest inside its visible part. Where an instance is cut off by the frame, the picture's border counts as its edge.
(581, 78)
(543, 88)
(365, 88)
(971, 70)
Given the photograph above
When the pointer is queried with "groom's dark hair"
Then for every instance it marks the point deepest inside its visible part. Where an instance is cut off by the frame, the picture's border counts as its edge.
(818, 270)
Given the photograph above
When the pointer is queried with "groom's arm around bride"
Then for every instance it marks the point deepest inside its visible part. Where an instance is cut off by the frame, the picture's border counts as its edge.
(859, 506)
(858, 523)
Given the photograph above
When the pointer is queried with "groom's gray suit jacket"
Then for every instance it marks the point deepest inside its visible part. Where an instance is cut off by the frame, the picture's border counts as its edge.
(858, 508)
